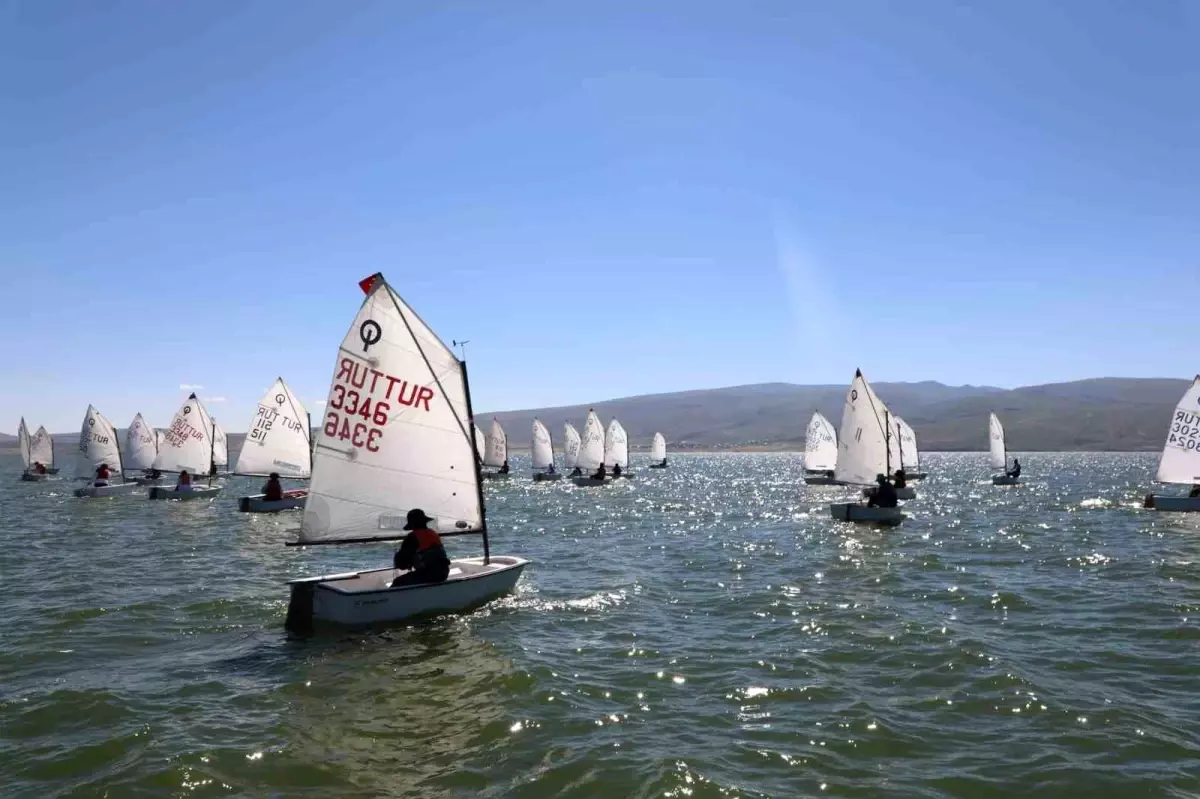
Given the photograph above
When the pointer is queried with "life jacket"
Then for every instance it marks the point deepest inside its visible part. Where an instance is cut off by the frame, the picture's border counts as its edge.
(185, 479)
(430, 552)
(102, 475)
(273, 491)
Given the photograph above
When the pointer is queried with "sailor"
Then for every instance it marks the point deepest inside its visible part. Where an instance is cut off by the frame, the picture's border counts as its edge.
(577, 472)
(185, 481)
(601, 473)
(39, 467)
(504, 468)
(272, 490)
(899, 478)
(884, 495)
(616, 470)
(102, 475)
(421, 552)
(1195, 492)
(550, 468)
(1015, 472)
(212, 471)
(664, 462)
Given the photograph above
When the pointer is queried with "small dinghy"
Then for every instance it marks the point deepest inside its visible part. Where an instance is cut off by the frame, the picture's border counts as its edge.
(910, 455)
(865, 450)
(141, 448)
(658, 452)
(616, 451)
(591, 452)
(908, 492)
(98, 448)
(541, 452)
(278, 443)
(998, 454)
(36, 449)
(590, 482)
(495, 453)
(187, 446)
(415, 451)
(1180, 459)
(820, 451)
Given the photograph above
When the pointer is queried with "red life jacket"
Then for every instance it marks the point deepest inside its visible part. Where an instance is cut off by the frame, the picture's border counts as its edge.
(103, 473)
(430, 551)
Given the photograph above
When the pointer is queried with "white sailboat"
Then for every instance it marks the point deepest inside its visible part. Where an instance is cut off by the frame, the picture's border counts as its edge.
(41, 450)
(278, 442)
(1180, 459)
(220, 457)
(616, 450)
(541, 452)
(25, 441)
(906, 448)
(910, 453)
(495, 453)
(591, 452)
(141, 448)
(411, 450)
(863, 452)
(658, 452)
(997, 454)
(571, 445)
(100, 446)
(187, 445)
(820, 451)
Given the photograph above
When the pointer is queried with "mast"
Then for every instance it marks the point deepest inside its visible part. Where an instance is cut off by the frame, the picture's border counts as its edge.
(887, 442)
(487, 555)
(212, 446)
(311, 445)
(900, 444)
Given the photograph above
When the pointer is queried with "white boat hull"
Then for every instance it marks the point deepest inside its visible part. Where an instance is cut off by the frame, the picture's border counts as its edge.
(854, 512)
(33, 477)
(113, 490)
(359, 599)
(539, 477)
(1172, 504)
(588, 482)
(1004, 480)
(197, 492)
(258, 503)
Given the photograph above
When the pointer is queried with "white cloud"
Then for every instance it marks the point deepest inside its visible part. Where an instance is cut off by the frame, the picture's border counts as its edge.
(189, 387)
(319, 404)
(215, 399)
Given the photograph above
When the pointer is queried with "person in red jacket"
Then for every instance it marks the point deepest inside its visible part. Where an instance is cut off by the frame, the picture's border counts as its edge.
(102, 475)
(272, 490)
(421, 552)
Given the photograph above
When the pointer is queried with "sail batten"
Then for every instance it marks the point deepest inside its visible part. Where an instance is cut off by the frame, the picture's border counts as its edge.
(571, 445)
(542, 448)
(1180, 459)
(279, 437)
(997, 453)
(864, 440)
(141, 445)
(395, 433)
(820, 444)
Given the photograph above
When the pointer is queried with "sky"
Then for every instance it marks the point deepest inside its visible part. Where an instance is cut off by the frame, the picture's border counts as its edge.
(604, 198)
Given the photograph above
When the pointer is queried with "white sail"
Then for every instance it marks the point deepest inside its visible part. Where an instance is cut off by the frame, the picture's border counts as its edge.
(25, 442)
(1180, 461)
(187, 445)
(658, 449)
(141, 445)
(98, 444)
(542, 450)
(395, 434)
(616, 446)
(999, 458)
(159, 436)
(591, 452)
(820, 444)
(496, 452)
(220, 446)
(41, 448)
(278, 438)
(906, 440)
(863, 437)
(571, 444)
(480, 443)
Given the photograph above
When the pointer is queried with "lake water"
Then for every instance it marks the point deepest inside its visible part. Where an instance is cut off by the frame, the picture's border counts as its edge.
(697, 632)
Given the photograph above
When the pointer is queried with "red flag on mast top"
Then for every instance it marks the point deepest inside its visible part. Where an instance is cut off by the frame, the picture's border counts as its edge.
(368, 283)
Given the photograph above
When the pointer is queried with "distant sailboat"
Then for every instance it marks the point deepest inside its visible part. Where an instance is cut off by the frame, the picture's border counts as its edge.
(591, 452)
(187, 445)
(495, 453)
(541, 452)
(616, 450)
(997, 454)
(658, 452)
(141, 445)
(41, 450)
(220, 457)
(1180, 459)
(99, 446)
(480, 443)
(820, 451)
(910, 454)
(571, 445)
(863, 452)
(25, 441)
(414, 452)
(278, 442)
(906, 452)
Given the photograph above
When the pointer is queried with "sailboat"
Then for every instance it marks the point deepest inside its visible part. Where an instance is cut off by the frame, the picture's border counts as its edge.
(616, 450)
(25, 441)
(410, 447)
(910, 454)
(1180, 460)
(495, 453)
(903, 436)
(220, 457)
(658, 452)
(863, 452)
(41, 450)
(99, 446)
(480, 442)
(571, 445)
(591, 452)
(278, 442)
(141, 448)
(187, 445)
(820, 451)
(997, 454)
(541, 452)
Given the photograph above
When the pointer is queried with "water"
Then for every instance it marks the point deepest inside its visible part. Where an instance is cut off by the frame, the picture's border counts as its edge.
(703, 631)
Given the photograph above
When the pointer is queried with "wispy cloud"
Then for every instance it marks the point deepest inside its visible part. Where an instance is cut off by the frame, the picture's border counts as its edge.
(319, 404)
(215, 399)
(815, 310)
(189, 387)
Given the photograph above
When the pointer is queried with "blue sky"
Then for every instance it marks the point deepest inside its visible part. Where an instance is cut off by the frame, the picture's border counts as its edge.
(605, 198)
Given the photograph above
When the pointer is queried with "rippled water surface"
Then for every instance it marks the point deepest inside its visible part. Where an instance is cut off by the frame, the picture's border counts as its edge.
(701, 631)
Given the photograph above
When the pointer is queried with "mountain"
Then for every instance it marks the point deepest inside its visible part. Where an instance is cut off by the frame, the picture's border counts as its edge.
(1111, 413)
